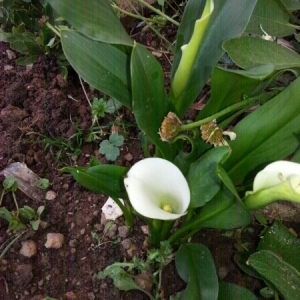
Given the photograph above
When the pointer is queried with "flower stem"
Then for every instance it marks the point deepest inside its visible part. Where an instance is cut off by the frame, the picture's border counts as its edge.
(126, 211)
(53, 29)
(246, 102)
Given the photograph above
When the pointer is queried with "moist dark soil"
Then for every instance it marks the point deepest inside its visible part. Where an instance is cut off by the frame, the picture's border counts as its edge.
(36, 104)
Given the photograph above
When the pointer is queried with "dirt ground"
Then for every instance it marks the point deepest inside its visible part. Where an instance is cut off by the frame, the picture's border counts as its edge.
(38, 99)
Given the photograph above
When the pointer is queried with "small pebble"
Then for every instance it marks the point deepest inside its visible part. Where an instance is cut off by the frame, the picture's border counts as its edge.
(123, 231)
(29, 248)
(50, 195)
(54, 240)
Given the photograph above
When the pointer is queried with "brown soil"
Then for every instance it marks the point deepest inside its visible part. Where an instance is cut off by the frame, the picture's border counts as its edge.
(39, 100)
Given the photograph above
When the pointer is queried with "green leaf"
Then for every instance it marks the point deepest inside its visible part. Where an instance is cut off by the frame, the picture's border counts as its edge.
(258, 52)
(110, 150)
(223, 25)
(284, 277)
(15, 224)
(103, 66)
(273, 17)
(224, 211)
(230, 86)
(195, 266)
(10, 183)
(27, 213)
(95, 19)
(282, 242)
(229, 291)
(98, 108)
(202, 177)
(122, 280)
(291, 5)
(42, 183)
(258, 135)
(101, 179)
(116, 139)
(149, 100)
(112, 106)
(5, 214)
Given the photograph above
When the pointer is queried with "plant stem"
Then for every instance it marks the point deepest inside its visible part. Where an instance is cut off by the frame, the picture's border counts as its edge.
(16, 203)
(157, 11)
(127, 213)
(53, 29)
(247, 102)
(136, 16)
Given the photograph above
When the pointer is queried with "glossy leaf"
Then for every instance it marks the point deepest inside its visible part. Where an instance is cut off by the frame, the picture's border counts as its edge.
(230, 86)
(202, 177)
(284, 277)
(268, 134)
(101, 179)
(149, 100)
(223, 25)
(273, 17)
(103, 66)
(229, 291)
(195, 266)
(282, 242)
(95, 19)
(291, 5)
(257, 51)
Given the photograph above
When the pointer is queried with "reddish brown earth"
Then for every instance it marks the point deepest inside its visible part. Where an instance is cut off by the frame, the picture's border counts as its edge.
(39, 100)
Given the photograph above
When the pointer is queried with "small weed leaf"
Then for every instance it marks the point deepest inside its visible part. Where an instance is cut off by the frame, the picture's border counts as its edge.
(10, 183)
(112, 105)
(99, 107)
(116, 139)
(42, 183)
(110, 147)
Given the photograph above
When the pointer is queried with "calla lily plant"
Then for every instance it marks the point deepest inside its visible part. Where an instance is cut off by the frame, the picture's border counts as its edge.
(195, 175)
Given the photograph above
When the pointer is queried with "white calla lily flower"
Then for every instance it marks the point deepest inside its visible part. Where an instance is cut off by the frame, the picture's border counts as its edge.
(275, 173)
(157, 189)
(277, 181)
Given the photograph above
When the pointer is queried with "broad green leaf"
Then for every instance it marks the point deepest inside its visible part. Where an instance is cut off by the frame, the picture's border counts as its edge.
(257, 51)
(268, 134)
(149, 100)
(230, 86)
(272, 16)
(291, 5)
(195, 266)
(282, 242)
(27, 60)
(110, 151)
(101, 179)
(223, 25)
(224, 211)
(228, 291)
(95, 19)
(281, 275)
(103, 66)
(202, 177)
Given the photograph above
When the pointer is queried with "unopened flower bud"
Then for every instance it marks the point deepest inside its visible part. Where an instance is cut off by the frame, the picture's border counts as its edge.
(169, 127)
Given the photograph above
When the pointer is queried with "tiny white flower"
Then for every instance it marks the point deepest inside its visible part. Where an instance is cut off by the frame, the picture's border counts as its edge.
(157, 189)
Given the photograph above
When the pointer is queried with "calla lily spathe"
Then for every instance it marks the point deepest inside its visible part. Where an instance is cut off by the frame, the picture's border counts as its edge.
(277, 181)
(157, 189)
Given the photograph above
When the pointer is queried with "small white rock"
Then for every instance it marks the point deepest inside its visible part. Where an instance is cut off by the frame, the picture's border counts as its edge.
(8, 68)
(50, 195)
(111, 209)
(54, 240)
(29, 248)
(11, 54)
